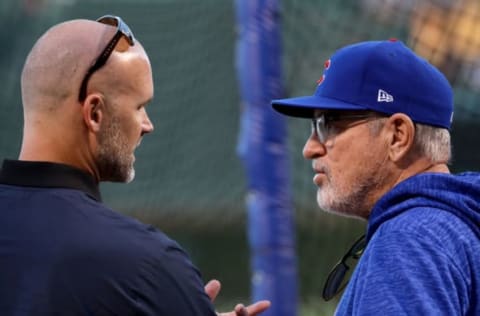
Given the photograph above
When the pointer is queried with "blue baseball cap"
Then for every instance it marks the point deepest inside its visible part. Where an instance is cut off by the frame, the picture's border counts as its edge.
(381, 76)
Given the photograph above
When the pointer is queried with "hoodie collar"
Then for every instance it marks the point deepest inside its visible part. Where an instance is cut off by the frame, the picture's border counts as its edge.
(458, 194)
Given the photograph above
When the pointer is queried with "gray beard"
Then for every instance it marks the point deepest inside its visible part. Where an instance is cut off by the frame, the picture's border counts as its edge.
(114, 160)
(357, 201)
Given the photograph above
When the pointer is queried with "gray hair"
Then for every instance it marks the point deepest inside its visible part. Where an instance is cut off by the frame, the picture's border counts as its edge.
(430, 141)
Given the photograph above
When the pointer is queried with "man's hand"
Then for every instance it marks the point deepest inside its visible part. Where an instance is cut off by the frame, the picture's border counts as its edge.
(213, 288)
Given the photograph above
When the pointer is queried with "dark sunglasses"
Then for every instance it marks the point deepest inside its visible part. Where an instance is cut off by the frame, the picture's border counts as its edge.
(336, 280)
(122, 31)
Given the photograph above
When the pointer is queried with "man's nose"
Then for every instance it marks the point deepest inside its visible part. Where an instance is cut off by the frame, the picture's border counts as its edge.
(313, 148)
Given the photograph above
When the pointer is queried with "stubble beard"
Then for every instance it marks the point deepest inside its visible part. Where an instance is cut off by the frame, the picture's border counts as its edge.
(114, 159)
(354, 199)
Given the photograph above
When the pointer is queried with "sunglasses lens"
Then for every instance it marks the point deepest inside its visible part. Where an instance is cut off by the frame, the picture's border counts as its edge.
(334, 281)
(319, 128)
(338, 278)
(109, 20)
(123, 44)
(122, 28)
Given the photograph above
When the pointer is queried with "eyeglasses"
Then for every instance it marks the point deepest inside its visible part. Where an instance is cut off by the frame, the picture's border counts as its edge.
(323, 127)
(336, 280)
(122, 31)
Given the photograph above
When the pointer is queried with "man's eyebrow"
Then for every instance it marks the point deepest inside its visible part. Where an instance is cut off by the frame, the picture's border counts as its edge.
(146, 102)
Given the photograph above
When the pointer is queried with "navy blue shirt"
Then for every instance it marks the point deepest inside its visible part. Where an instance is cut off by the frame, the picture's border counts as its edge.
(63, 252)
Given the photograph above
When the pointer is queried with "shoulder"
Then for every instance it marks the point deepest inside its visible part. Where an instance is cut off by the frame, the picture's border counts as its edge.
(139, 260)
(434, 228)
(427, 236)
(91, 230)
(422, 259)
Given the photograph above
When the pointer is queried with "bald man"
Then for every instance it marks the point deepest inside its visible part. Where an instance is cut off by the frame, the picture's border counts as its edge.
(85, 89)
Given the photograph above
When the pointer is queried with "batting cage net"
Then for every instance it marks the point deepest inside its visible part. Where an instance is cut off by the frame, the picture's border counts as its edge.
(189, 180)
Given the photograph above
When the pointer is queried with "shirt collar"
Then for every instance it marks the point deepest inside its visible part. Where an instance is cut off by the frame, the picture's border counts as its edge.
(48, 175)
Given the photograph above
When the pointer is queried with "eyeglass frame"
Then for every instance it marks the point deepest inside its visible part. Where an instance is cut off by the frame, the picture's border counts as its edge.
(122, 30)
(333, 285)
(320, 127)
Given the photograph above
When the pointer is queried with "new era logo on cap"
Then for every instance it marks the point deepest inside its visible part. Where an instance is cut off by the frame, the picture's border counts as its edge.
(384, 96)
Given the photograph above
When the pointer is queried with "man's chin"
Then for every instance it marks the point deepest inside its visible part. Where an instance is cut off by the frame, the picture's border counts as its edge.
(130, 176)
(328, 206)
(123, 177)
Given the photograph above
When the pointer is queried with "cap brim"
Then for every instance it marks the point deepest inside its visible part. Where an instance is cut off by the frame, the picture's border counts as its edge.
(305, 106)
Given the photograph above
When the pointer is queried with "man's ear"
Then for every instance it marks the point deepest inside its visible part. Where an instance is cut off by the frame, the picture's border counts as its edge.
(402, 133)
(93, 111)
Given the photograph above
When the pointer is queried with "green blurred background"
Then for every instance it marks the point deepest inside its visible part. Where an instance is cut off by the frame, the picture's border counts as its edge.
(189, 181)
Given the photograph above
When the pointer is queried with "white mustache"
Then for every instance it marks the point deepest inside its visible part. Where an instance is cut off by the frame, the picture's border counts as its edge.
(318, 168)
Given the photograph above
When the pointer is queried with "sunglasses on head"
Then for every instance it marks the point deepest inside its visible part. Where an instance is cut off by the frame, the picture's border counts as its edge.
(123, 31)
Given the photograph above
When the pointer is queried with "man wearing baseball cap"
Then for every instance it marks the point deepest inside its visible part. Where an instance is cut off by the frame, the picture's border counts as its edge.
(379, 147)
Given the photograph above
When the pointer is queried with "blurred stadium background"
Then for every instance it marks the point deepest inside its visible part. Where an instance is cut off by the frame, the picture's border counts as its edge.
(190, 182)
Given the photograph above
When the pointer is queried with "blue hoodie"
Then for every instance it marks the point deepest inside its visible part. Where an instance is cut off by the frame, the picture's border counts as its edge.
(423, 251)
